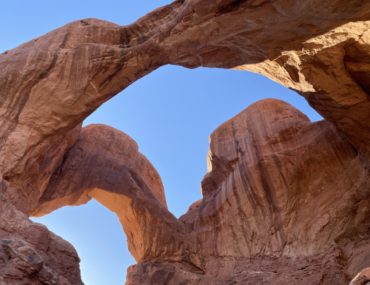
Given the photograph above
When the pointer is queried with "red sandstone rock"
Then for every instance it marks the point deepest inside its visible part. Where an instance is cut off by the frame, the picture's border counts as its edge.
(362, 278)
(260, 215)
(30, 254)
(285, 201)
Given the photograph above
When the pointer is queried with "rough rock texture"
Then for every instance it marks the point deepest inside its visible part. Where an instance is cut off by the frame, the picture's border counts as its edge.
(29, 253)
(105, 164)
(275, 208)
(285, 201)
(362, 278)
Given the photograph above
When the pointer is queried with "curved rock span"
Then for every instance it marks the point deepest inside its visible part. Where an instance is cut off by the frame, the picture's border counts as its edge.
(285, 201)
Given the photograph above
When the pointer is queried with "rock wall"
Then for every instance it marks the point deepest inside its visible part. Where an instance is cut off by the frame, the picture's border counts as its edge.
(285, 201)
(282, 206)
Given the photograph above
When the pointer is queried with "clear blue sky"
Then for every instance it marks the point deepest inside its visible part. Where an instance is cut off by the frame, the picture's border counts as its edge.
(170, 113)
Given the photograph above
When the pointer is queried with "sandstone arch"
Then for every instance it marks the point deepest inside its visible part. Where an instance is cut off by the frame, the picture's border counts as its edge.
(105, 164)
(319, 49)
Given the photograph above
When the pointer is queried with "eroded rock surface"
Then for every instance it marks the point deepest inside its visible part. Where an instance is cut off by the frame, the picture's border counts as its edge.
(362, 278)
(286, 201)
(275, 209)
(30, 254)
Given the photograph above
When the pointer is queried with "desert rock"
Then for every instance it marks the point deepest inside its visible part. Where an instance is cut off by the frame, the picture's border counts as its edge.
(285, 201)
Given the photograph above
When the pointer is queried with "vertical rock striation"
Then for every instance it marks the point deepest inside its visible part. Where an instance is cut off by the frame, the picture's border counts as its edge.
(275, 208)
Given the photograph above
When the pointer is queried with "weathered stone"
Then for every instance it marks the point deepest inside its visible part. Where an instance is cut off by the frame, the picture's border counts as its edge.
(362, 278)
(286, 201)
(30, 254)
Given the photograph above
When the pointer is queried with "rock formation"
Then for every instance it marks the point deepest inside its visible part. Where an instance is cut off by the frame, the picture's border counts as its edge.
(362, 278)
(285, 201)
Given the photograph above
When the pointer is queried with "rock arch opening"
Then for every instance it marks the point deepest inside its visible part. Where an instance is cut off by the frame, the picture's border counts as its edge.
(172, 122)
(52, 83)
(104, 164)
(99, 239)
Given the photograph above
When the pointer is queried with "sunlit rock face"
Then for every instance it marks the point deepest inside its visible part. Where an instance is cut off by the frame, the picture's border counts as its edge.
(275, 209)
(362, 278)
(285, 201)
